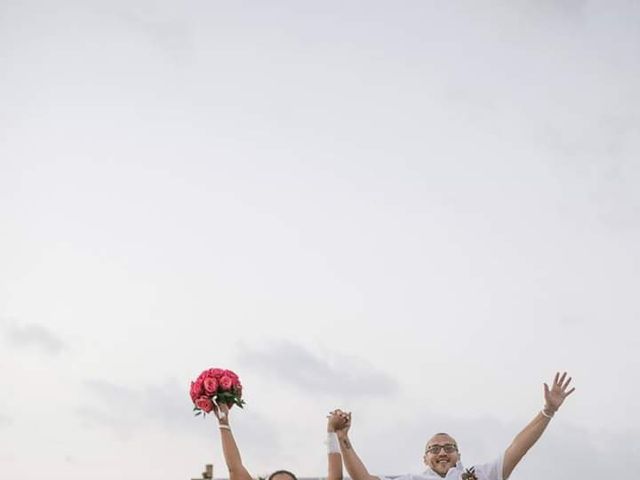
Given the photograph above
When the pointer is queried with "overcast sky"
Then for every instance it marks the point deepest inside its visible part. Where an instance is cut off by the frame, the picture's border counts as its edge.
(414, 210)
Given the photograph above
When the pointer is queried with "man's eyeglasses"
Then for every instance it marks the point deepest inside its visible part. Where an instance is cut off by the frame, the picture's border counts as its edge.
(447, 447)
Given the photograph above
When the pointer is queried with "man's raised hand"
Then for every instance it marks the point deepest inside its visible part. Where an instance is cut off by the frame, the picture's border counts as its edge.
(555, 396)
(339, 421)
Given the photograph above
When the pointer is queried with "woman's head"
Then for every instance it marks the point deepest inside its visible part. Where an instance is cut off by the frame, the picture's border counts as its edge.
(282, 475)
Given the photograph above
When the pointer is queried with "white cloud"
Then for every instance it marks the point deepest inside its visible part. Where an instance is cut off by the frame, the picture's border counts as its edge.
(125, 409)
(293, 364)
(5, 421)
(442, 192)
(31, 335)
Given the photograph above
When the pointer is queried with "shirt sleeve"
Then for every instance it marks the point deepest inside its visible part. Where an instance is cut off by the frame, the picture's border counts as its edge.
(492, 470)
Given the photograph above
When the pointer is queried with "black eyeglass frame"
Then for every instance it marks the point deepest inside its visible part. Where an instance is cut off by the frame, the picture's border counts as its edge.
(447, 447)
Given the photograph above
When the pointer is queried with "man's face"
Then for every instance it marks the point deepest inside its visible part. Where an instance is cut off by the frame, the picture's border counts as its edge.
(437, 457)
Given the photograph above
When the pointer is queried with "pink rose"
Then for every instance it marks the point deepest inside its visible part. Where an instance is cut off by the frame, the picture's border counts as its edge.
(210, 385)
(215, 372)
(234, 377)
(205, 404)
(231, 374)
(226, 383)
(196, 390)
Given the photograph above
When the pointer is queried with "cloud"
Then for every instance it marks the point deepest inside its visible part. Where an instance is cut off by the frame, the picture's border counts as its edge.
(293, 364)
(5, 421)
(164, 26)
(36, 336)
(566, 8)
(126, 410)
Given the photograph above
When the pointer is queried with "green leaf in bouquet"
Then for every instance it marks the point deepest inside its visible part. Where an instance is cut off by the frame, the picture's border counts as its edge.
(199, 412)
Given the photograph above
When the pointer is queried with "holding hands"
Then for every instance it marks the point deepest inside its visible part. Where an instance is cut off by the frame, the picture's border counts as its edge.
(339, 422)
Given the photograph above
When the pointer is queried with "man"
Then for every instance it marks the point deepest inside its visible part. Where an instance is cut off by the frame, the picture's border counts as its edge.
(442, 456)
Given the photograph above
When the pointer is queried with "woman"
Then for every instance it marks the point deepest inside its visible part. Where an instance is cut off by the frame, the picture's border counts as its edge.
(237, 471)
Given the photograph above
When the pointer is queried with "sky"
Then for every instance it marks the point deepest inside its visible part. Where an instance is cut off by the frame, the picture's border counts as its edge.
(417, 211)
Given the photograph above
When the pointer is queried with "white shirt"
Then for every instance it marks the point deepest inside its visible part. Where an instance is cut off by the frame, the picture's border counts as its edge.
(485, 471)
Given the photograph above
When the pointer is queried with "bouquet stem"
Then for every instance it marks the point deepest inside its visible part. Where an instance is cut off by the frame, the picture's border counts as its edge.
(219, 412)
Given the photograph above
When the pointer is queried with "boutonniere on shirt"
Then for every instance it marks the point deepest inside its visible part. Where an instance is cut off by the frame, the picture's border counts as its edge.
(469, 474)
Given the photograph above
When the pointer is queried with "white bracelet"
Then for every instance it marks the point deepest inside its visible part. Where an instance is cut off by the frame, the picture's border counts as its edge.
(224, 427)
(546, 414)
(333, 446)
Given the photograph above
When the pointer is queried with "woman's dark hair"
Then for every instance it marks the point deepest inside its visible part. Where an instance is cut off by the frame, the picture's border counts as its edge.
(287, 472)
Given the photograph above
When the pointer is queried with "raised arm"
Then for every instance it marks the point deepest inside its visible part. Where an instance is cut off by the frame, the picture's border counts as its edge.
(335, 420)
(553, 398)
(355, 467)
(229, 448)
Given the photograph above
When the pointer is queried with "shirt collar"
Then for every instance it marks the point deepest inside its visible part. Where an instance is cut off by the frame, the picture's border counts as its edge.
(429, 473)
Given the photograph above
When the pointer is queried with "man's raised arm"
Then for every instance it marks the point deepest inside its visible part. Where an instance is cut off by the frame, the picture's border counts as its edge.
(553, 398)
(353, 464)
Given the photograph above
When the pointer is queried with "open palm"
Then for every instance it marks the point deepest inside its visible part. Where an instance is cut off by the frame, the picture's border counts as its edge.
(555, 396)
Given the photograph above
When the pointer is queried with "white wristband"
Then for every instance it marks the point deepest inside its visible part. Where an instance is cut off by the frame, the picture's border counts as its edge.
(333, 446)
(224, 427)
(545, 414)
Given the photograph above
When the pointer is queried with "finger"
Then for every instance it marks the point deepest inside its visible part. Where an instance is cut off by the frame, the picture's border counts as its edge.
(561, 381)
(569, 392)
(546, 390)
(555, 379)
(566, 384)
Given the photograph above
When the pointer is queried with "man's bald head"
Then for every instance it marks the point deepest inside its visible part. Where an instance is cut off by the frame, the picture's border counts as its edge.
(441, 453)
(442, 435)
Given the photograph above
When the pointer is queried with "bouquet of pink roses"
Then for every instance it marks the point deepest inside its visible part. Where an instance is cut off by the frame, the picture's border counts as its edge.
(213, 387)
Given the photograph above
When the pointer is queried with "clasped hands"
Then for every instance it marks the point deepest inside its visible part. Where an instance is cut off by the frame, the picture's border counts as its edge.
(339, 422)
